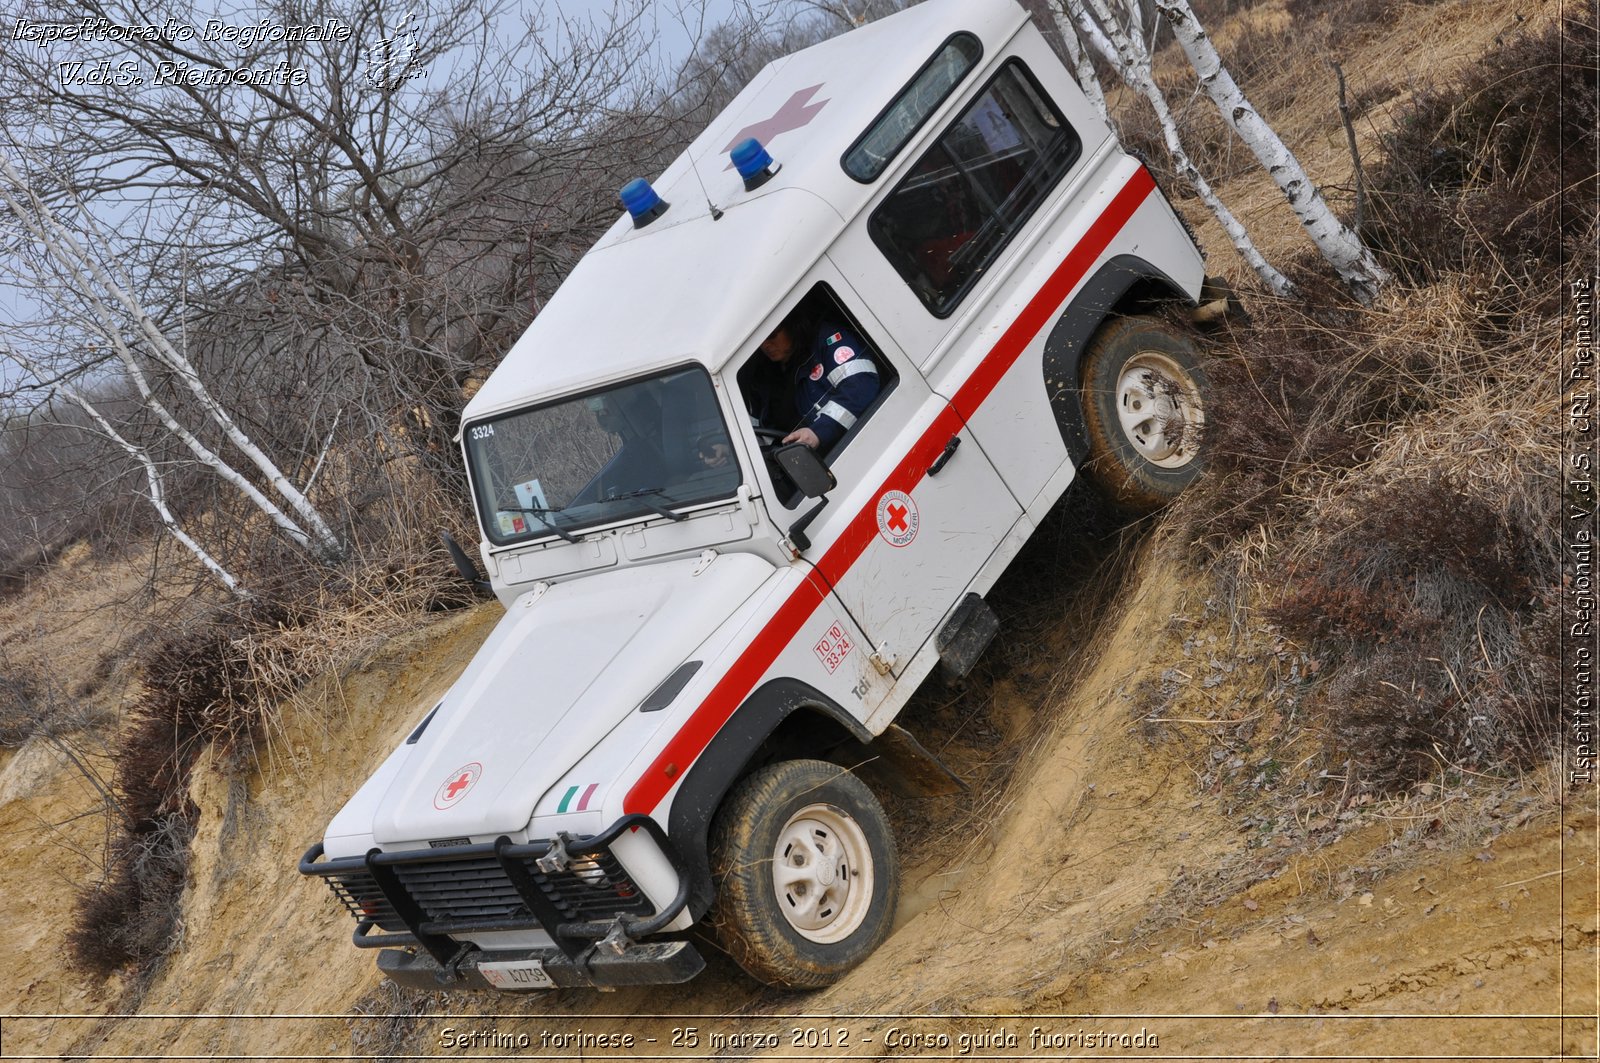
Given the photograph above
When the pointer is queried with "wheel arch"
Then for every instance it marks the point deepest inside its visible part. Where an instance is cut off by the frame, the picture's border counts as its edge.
(783, 716)
(1125, 284)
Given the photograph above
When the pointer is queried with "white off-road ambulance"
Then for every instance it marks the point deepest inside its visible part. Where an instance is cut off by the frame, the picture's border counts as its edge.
(705, 624)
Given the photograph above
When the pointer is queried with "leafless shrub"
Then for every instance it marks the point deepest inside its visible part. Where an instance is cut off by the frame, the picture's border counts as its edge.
(216, 686)
(199, 693)
(35, 704)
(1494, 173)
(1385, 481)
(131, 919)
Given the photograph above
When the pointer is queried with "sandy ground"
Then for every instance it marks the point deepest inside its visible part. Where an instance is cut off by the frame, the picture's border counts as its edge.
(1088, 899)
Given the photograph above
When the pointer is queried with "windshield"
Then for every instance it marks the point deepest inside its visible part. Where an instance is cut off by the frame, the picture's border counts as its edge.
(648, 447)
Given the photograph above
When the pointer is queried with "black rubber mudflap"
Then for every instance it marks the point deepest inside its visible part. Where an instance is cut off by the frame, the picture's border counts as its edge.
(966, 635)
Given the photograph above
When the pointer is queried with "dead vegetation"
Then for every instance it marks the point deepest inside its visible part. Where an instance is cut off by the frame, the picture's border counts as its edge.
(213, 687)
(1383, 507)
(1491, 175)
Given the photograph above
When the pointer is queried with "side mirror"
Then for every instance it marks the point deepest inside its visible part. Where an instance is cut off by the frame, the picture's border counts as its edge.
(805, 469)
(466, 566)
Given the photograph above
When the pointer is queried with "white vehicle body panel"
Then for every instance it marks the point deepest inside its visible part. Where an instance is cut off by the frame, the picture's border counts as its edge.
(567, 663)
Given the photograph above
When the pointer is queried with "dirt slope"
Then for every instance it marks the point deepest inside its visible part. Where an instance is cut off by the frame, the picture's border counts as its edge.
(1102, 889)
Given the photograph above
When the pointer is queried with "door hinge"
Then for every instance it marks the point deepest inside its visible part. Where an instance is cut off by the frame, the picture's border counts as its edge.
(882, 658)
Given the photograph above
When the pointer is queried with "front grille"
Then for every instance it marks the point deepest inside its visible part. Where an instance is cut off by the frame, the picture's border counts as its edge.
(593, 888)
(466, 889)
(361, 897)
(458, 894)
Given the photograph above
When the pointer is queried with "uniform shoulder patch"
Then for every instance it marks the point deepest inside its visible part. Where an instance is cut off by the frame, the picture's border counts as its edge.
(843, 355)
(835, 338)
(816, 371)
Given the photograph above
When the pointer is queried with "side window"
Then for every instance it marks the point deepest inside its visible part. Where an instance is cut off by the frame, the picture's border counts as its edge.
(818, 372)
(888, 133)
(969, 194)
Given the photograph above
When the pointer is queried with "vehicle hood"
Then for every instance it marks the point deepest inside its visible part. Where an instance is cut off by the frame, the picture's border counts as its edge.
(567, 663)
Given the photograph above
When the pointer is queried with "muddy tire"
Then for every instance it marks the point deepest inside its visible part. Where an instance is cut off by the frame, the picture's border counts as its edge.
(806, 873)
(1144, 397)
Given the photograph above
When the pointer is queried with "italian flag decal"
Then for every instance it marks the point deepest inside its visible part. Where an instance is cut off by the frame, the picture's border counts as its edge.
(583, 802)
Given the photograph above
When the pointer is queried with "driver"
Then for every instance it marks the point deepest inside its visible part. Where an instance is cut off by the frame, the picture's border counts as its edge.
(818, 375)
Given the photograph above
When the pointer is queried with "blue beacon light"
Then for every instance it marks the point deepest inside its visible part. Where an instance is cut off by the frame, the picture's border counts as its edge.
(753, 163)
(642, 202)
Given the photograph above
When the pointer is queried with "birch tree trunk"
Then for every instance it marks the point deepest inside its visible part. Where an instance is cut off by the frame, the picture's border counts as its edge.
(155, 481)
(1341, 247)
(1082, 65)
(91, 282)
(156, 495)
(1125, 50)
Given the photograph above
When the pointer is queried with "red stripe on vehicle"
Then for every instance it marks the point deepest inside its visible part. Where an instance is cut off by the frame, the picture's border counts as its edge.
(726, 696)
(583, 802)
(1041, 309)
(736, 684)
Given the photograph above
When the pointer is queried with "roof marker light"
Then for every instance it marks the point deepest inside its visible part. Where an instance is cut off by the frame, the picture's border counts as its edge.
(753, 163)
(642, 202)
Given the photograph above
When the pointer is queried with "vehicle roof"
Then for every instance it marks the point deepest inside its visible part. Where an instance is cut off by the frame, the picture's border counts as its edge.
(690, 286)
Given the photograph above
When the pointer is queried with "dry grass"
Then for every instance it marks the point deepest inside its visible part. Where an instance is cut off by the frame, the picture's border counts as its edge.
(1492, 172)
(1385, 492)
(215, 683)
(1283, 62)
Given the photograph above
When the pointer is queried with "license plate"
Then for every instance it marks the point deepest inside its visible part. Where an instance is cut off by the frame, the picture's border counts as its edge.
(516, 974)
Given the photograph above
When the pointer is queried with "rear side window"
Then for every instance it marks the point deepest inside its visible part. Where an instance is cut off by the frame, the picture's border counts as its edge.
(964, 200)
(888, 133)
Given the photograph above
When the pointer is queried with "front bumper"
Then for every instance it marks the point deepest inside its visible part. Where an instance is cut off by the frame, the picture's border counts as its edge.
(647, 963)
(572, 888)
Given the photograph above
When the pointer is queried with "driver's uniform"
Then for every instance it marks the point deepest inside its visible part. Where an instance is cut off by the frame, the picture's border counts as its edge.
(829, 387)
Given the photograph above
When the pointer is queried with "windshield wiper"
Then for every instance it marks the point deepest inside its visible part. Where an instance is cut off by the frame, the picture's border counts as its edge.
(640, 496)
(544, 516)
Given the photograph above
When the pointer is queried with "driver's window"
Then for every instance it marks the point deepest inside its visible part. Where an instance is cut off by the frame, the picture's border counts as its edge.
(815, 379)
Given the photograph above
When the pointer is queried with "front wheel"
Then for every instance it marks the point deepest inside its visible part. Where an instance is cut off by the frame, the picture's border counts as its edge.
(1144, 406)
(806, 873)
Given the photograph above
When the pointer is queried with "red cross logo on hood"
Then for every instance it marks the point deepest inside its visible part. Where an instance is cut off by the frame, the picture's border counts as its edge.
(456, 786)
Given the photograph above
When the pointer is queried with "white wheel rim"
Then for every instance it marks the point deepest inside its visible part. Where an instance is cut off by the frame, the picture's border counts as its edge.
(1159, 407)
(822, 873)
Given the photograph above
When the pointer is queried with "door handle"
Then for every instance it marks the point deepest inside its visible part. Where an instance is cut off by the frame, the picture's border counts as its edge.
(944, 458)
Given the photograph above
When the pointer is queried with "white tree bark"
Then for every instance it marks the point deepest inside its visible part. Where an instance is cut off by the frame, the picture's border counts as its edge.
(1341, 247)
(1082, 65)
(92, 282)
(1125, 50)
(155, 480)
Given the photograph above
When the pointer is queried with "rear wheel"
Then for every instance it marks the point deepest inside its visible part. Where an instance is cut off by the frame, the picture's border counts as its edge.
(806, 873)
(1144, 407)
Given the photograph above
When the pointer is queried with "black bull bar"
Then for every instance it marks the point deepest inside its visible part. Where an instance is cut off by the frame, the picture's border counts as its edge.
(573, 888)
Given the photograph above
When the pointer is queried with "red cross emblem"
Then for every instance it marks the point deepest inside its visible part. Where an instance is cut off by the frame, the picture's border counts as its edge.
(796, 111)
(897, 518)
(456, 786)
